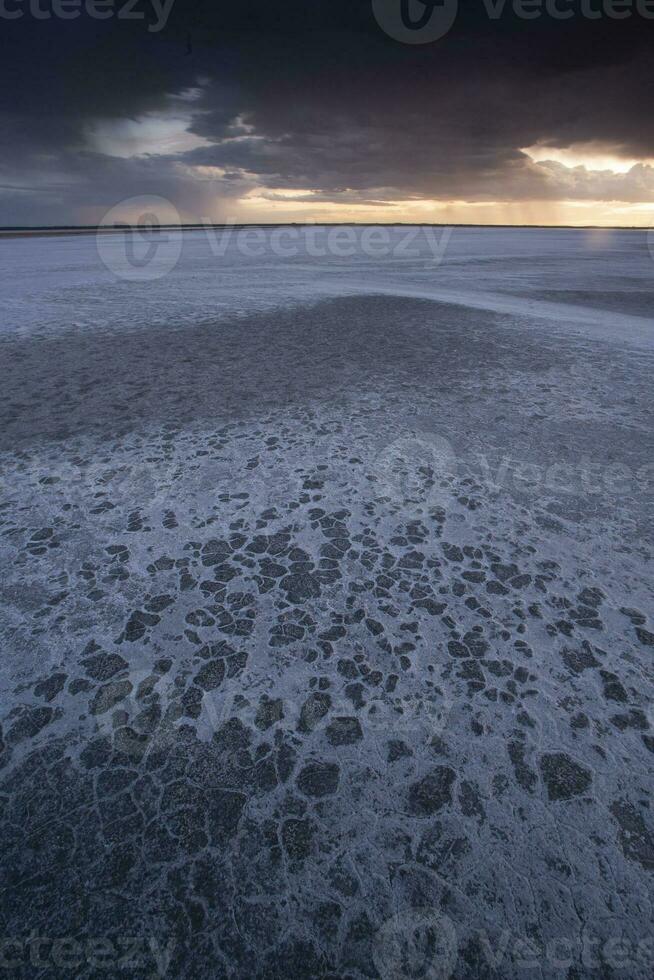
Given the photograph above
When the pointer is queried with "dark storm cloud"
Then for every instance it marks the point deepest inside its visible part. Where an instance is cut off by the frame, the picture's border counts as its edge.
(314, 96)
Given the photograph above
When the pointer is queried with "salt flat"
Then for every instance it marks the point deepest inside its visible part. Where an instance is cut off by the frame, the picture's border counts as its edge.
(327, 617)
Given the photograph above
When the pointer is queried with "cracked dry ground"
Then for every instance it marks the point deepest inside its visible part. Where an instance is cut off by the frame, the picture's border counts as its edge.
(271, 679)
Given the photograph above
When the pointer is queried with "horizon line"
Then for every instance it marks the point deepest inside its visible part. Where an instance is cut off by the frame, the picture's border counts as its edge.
(7, 231)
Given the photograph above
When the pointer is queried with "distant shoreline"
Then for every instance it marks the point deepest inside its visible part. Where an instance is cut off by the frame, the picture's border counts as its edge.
(63, 230)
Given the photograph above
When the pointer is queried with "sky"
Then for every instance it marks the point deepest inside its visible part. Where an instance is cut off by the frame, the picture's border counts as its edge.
(312, 110)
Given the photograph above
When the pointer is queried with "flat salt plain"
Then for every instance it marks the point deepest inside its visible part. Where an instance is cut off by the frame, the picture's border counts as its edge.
(327, 623)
